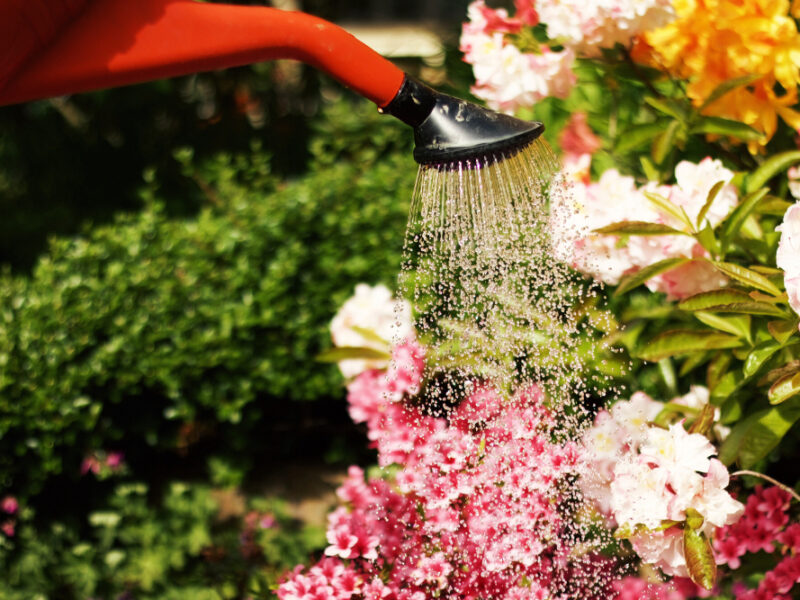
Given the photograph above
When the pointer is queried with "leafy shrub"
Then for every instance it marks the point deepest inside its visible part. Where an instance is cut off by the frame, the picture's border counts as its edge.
(152, 321)
(176, 548)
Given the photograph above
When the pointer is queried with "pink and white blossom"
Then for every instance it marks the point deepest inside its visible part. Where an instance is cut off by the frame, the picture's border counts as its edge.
(788, 256)
(372, 308)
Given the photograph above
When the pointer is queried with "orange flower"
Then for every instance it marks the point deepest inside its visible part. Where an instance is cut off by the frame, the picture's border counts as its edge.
(713, 41)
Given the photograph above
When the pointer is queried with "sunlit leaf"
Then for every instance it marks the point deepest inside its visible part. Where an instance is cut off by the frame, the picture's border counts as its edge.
(725, 87)
(746, 276)
(369, 334)
(668, 207)
(704, 421)
(674, 343)
(738, 325)
(758, 356)
(755, 437)
(712, 195)
(771, 167)
(699, 558)
(782, 331)
(639, 277)
(669, 107)
(785, 388)
(348, 353)
(720, 126)
(638, 228)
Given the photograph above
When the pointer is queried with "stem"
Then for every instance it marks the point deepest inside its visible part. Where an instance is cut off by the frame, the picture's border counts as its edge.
(774, 482)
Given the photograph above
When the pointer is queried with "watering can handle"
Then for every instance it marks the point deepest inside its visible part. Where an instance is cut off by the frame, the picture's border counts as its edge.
(56, 47)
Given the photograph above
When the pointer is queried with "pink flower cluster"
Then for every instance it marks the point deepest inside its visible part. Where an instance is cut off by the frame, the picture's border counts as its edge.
(635, 588)
(103, 464)
(10, 506)
(643, 476)
(763, 527)
(788, 257)
(505, 77)
(472, 511)
(615, 198)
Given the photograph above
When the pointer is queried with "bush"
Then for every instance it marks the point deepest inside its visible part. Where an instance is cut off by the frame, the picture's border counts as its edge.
(139, 326)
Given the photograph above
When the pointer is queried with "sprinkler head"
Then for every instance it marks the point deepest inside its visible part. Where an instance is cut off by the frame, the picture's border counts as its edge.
(450, 130)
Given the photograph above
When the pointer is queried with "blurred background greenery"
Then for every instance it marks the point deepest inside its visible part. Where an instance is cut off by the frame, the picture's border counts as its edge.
(172, 254)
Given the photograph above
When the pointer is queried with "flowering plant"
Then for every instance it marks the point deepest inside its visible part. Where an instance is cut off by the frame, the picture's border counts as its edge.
(677, 124)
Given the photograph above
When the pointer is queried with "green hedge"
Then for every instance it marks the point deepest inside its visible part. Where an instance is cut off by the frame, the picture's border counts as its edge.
(153, 321)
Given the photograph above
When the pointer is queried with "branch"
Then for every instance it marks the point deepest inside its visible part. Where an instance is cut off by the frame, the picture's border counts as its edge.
(774, 482)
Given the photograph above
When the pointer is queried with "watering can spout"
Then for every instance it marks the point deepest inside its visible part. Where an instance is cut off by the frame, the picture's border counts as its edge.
(56, 48)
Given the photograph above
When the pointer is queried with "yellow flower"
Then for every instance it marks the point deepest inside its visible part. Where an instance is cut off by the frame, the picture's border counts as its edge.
(713, 41)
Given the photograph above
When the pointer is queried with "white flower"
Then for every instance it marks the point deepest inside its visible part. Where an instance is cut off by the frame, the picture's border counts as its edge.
(639, 494)
(788, 256)
(373, 309)
(794, 181)
(633, 417)
(589, 26)
(663, 549)
(676, 449)
(714, 503)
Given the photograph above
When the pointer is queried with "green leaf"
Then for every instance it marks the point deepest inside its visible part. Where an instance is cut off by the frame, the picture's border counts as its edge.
(709, 240)
(782, 330)
(737, 325)
(348, 353)
(664, 142)
(692, 361)
(733, 222)
(712, 195)
(699, 558)
(755, 437)
(668, 207)
(775, 374)
(639, 277)
(746, 276)
(758, 356)
(669, 107)
(673, 343)
(371, 336)
(638, 228)
(769, 168)
(636, 136)
(783, 389)
(774, 206)
(712, 299)
(717, 369)
(725, 87)
(720, 126)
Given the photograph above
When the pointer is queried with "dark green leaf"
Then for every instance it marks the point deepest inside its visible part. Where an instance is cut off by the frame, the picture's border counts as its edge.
(673, 343)
(636, 136)
(639, 277)
(755, 437)
(769, 168)
(720, 126)
(638, 228)
(664, 142)
(669, 107)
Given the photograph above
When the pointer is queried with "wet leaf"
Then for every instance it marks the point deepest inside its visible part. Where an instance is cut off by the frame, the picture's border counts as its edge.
(699, 558)
(636, 279)
(676, 342)
(759, 355)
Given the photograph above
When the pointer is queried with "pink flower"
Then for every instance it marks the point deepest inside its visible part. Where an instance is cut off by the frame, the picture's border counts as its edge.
(8, 528)
(577, 137)
(526, 12)
(498, 20)
(114, 460)
(9, 505)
